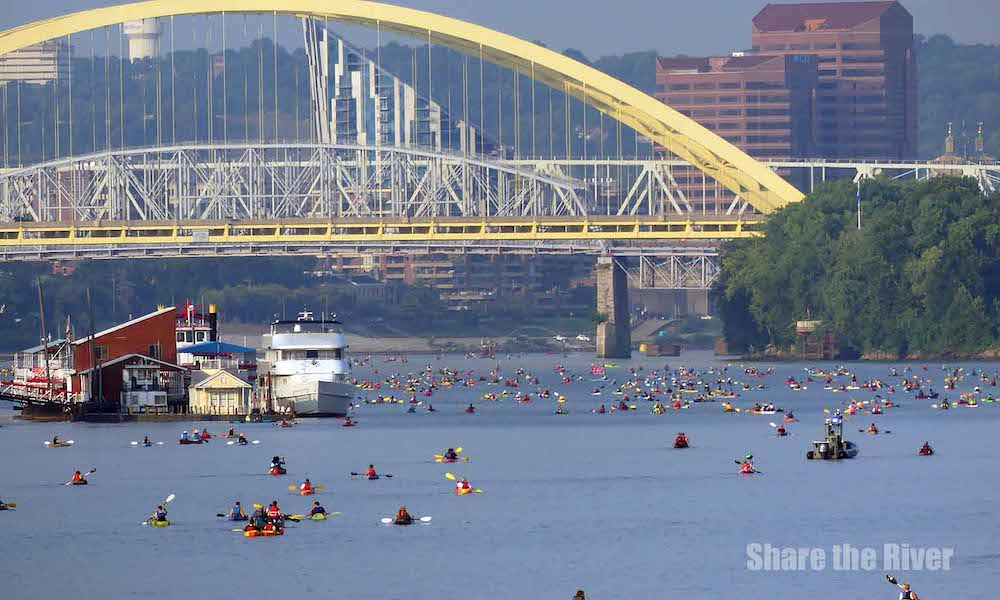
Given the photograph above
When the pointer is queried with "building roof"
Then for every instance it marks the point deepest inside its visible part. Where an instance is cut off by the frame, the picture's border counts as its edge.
(217, 378)
(121, 326)
(215, 348)
(38, 348)
(166, 365)
(834, 15)
(683, 63)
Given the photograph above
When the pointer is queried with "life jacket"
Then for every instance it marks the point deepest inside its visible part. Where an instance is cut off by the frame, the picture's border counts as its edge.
(371, 473)
(306, 486)
(161, 515)
(77, 477)
(273, 512)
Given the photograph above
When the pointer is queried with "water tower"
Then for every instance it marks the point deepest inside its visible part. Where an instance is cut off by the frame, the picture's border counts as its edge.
(143, 38)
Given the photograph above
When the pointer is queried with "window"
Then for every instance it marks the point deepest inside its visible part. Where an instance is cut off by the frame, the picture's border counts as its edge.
(774, 48)
(827, 59)
(729, 99)
(828, 72)
(862, 73)
(828, 85)
(730, 112)
(733, 85)
(678, 87)
(154, 351)
(703, 112)
(825, 46)
(768, 139)
(766, 112)
(180, 336)
(764, 85)
(201, 336)
(767, 125)
(704, 86)
(862, 46)
(733, 139)
(312, 354)
(866, 58)
(798, 46)
(101, 353)
(729, 125)
(679, 100)
(704, 99)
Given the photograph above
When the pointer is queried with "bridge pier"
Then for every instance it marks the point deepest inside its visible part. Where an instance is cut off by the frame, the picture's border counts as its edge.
(614, 337)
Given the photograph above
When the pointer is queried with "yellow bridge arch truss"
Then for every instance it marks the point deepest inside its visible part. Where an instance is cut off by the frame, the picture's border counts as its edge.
(761, 187)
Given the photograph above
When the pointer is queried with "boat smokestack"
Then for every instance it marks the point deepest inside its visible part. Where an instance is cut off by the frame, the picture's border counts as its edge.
(213, 324)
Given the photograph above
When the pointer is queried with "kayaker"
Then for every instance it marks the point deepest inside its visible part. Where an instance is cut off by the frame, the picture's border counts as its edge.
(747, 466)
(274, 513)
(242, 440)
(278, 463)
(926, 449)
(451, 454)
(601, 410)
(579, 595)
(781, 430)
(906, 593)
(470, 410)
(55, 440)
(258, 520)
(681, 441)
(232, 432)
(78, 479)
(403, 517)
(284, 423)
(370, 473)
(872, 429)
(160, 514)
(306, 486)
(461, 485)
(145, 441)
(236, 512)
(430, 408)
(348, 422)
(3, 506)
(317, 509)
(184, 437)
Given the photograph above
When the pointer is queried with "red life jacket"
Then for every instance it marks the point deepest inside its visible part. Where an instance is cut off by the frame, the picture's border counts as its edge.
(370, 473)
(273, 512)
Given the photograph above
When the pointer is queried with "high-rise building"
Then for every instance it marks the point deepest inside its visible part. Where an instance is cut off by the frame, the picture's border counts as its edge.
(867, 90)
(356, 101)
(761, 104)
(39, 64)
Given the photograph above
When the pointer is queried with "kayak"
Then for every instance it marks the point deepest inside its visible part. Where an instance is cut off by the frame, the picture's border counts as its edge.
(681, 445)
(463, 491)
(155, 523)
(243, 518)
(928, 453)
(58, 444)
(449, 460)
(318, 517)
(80, 482)
(747, 472)
(188, 442)
(347, 425)
(307, 492)
(276, 471)
(263, 532)
(371, 477)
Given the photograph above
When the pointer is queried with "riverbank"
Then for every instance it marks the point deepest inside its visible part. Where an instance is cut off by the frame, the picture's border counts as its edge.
(776, 355)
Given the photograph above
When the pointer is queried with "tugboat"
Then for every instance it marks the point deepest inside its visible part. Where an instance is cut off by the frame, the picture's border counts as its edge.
(834, 447)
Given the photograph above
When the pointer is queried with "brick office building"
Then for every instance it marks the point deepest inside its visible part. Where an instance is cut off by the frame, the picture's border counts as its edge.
(867, 90)
(761, 104)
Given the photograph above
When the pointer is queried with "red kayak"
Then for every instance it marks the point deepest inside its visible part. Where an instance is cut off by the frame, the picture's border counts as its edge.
(277, 471)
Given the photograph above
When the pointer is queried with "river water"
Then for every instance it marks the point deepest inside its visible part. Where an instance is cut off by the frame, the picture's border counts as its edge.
(598, 502)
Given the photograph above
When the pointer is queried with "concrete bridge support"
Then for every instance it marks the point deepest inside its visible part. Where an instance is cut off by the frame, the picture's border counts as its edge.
(614, 336)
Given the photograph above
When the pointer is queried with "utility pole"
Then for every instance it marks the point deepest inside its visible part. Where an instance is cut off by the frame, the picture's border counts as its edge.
(45, 340)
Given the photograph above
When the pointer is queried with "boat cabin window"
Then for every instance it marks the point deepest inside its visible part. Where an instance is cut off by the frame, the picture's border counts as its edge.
(180, 336)
(312, 353)
(202, 335)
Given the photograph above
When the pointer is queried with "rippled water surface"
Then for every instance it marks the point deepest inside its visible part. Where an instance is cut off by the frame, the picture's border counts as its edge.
(599, 502)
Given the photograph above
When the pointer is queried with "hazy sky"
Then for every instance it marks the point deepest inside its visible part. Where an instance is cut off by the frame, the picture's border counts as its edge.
(601, 27)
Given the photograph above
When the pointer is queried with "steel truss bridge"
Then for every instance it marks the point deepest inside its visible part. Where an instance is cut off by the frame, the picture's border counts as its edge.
(228, 199)
(310, 199)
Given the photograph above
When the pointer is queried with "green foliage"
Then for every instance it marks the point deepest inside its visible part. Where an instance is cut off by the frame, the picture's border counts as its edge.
(923, 275)
(957, 83)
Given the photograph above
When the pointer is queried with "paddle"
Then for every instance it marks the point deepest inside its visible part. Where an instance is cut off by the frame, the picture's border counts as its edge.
(387, 475)
(293, 488)
(61, 443)
(231, 443)
(85, 475)
(169, 499)
(143, 443)
(389, 521)
(887, 431)
(11, 505)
